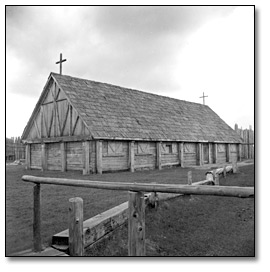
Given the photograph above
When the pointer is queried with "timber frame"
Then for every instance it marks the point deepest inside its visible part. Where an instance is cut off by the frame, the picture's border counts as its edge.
(61, 136)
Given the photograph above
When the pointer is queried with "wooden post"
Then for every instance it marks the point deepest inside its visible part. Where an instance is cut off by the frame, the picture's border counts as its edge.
(86, 170)
(136, 224)
(63, 157)
(189, 178)
(234, 167)
(209, 153)
(228, 153)
(181, 151)
(224, 171)
(216, 152)
(99, 156)
(36, 219)
(158, 146)
(209, 176)
(75, 223)
(28, 156)
(199, 154)
(217, 179)
(43, 157)
(131, 156)
(239, 152)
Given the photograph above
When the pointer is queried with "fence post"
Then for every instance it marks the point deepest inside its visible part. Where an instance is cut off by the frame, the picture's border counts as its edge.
(224, 171)
(75, 223)
(189, 178)
(136, 224)
(234, 167)
(216, 179)
(36, 219)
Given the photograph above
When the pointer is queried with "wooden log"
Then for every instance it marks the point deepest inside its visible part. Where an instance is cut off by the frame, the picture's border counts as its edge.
(131, 156)
(76, 239)
(136, 224)
(158, 146)
(216, 179)
(189, 177)
(86, 170)
(63, 157)
(36, 219)
(233, 191)
(28, 156)
(99, 156)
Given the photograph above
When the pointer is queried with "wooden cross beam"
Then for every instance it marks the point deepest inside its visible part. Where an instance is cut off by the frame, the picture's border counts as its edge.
(60, 62)
(204, 97)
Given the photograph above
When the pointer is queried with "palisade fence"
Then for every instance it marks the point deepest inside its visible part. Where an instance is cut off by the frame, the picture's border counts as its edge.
(15, 149)
(247, 135)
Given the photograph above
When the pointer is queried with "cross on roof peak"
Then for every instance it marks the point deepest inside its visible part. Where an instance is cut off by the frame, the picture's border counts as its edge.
(203, 97)
(60, 62)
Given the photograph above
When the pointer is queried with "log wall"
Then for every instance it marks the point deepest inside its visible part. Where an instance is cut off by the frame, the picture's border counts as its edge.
(74, 151)
(53, 156)
(35, 156)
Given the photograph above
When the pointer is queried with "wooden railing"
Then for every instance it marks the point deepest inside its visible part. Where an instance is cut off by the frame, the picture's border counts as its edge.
(136, 221)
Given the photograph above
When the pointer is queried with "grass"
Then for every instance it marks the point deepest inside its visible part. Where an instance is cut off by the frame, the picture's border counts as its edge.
(54, 201)
(195, 226)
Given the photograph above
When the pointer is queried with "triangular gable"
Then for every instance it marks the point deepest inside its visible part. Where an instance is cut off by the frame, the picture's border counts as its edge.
(54, 116)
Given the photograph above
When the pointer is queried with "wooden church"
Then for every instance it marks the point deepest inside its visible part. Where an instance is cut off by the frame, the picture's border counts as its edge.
(95, 127)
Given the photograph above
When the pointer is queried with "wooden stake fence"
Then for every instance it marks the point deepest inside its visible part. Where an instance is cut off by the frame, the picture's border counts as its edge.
(136, 243)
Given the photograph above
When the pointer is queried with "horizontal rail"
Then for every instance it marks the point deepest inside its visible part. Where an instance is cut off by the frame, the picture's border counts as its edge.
(145, 187)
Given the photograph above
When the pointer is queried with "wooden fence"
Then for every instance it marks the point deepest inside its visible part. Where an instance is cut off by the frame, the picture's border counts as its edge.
(15, 149)
(136, 219)
(247, 151)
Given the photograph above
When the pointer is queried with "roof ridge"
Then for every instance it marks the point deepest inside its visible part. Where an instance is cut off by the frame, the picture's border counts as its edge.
(130, 89)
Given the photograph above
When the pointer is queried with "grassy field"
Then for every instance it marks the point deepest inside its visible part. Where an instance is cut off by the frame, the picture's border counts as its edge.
(195, 225)
(54, 200)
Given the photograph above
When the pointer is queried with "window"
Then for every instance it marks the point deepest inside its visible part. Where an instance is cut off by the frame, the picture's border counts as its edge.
(190, 148)
(142, 148)
(167, 148)
(112, 148)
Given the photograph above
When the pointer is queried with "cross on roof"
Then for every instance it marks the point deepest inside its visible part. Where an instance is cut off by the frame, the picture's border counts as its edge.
(203, 97)
(60, 62)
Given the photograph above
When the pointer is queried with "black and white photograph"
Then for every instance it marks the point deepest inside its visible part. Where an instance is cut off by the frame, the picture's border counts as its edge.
(130, 131)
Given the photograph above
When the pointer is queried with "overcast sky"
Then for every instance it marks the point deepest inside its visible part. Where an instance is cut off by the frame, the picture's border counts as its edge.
(179, 52)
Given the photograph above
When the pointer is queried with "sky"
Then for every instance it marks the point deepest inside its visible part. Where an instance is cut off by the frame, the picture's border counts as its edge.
(178, 52)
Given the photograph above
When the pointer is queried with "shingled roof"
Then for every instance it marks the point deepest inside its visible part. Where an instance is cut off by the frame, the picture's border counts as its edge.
(113, 112)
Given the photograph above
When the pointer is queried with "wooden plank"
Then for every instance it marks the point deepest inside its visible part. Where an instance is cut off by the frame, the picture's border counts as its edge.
(36, 219)
(70, 120)
(209, 153)
(228, 153)
(47, 252)
(27, 156)
(86, 158)
(136, 224)
(99, 156)
(51, 123)
(37, 129)
(43, 157)
(158, 146)
(215, 152)
(199, 154)
(216, 179)
(131, 156)
(75, 124)
(63, 157)
(76, 240)
(189, 177)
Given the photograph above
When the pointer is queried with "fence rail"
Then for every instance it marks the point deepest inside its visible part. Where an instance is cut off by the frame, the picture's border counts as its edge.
(136, 223)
